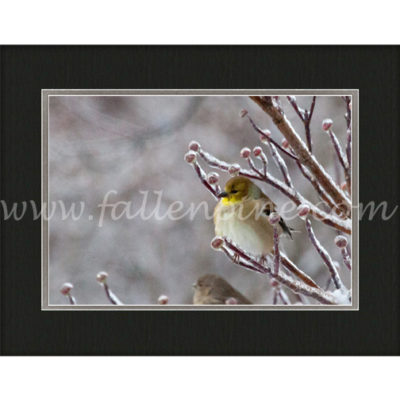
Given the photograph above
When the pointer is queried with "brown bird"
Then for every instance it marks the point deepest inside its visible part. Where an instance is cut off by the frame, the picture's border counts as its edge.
(212, 289)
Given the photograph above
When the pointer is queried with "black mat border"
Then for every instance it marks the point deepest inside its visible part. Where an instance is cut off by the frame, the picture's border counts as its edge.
(374, 330)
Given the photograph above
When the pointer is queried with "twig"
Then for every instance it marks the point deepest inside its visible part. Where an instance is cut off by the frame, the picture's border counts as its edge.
(346, 258)
(238, 261)
(267, 137)
(283, 297)
(341, 157)
(163, 299)
(276, 251)
(275, 298)
(258, 152)
(102, 279)
(66, 291)
(280, 120)
(290, 266)
(305, 117)
(347, 117)
(324, 255)
(341, 242)
(322, 194)
(274, 219)
(111, 296)
(190, 157)
(281, 165)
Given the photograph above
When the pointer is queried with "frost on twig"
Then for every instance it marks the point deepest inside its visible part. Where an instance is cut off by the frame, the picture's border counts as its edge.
(274, 220)
(324, 255)
(327, 126)
(347, 117)
(66, 291)
(163, 299)
(341, 242)
(305, 116)
(102, 279)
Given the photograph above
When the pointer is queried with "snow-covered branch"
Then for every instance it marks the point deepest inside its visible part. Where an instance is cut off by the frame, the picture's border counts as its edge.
(66, 291)
(305, 116)
(324, 255)
(102, 279)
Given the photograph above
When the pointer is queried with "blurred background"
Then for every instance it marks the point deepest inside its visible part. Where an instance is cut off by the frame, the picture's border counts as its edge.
(137, 143)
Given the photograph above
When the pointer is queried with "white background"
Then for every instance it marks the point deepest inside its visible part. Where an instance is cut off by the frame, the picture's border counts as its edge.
(199, 22)
(204, 22)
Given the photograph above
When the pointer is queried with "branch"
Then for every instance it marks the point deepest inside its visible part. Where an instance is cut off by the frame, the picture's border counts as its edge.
(66, 291)
(102, 279)
(322, 194)
(341, 242)
(325, 256)
(305, 117)
(266, 136)
(327, 127)
(290, 266)
(283, 297)
(163, 299)
(347, 117)
(296, 286)
(280, 120)
(281, 165)
(274, 219)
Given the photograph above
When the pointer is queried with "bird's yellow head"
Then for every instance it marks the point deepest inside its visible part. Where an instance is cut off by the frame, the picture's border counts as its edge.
(238, 189)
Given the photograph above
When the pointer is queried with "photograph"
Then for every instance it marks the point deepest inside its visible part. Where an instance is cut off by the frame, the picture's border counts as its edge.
(200, 200)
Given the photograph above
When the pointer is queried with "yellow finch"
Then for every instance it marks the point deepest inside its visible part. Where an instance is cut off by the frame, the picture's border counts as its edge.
(212, 289)
(242, 216)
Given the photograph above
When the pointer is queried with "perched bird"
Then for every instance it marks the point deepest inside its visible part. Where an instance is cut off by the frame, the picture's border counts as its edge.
(242, 216)
(212, 289)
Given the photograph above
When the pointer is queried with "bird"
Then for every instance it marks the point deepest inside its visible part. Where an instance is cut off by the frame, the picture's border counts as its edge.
(241, 216)
(213, 289)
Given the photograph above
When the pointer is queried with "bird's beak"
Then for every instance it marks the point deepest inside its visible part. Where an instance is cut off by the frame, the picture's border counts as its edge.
(223, 194)
(194, 285)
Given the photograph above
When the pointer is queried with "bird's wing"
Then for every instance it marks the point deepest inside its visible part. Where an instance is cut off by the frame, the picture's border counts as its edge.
(270, 206)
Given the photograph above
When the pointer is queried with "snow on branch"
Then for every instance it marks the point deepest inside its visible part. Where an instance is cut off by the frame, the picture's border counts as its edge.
(347, 117)
(341, 242)
(327, 127)
(102, 279)
(66, 291)
(324, 255)
(305, 116)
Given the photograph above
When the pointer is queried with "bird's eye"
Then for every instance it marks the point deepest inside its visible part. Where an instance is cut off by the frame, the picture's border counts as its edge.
(234, 191)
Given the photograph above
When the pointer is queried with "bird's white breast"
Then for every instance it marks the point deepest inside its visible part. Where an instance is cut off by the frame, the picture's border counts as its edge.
(253, 234)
